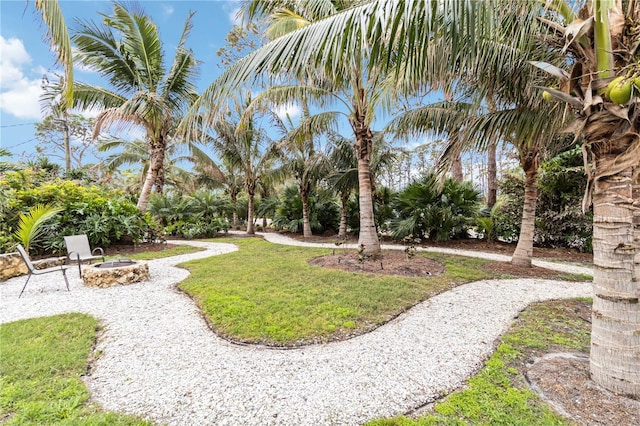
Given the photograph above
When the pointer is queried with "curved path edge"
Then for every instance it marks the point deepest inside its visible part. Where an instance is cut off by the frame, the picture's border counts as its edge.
(159, 359)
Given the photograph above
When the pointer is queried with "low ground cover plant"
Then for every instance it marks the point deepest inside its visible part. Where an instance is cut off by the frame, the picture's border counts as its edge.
(43, 360)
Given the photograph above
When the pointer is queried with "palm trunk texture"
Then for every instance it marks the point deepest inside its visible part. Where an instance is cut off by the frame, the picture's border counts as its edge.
(250, 228)
(306, 225)
(368, 237)
(615, 334)
(524, 250)
(156, 161)
(342, 233)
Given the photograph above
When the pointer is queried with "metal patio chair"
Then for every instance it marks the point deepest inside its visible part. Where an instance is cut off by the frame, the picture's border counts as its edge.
(33, 271)
(78, 250)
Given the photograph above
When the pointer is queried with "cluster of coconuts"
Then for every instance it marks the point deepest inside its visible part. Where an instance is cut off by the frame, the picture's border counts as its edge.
(621, 88)
(619, 91)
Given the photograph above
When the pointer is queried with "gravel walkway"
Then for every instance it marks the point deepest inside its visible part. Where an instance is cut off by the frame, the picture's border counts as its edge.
(159, 359)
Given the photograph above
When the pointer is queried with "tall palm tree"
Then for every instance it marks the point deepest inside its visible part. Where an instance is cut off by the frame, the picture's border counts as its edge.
(245, 146)
(301, 159)
(599, 41)
(126, 50)
(355, 84)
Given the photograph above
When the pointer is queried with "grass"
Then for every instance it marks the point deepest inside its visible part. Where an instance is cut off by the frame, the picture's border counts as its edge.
(269, 294)
(150, 255)
(42, 361)
(498, 394)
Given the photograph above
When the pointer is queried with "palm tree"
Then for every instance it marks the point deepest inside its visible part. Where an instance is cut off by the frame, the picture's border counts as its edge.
(126, 49)
(301, 159)
(356, 84)
(245, 146)
(344, 177)
(60, 42)
(600, 45)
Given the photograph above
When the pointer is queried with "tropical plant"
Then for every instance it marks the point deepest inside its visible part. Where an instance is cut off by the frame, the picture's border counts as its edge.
(126, 50)
(323, 211)
(30, 224)
(344, 179)
(356, 84)
(599, 39)
(246, 148)
(301, 159)
(428, 210)
(58, 34)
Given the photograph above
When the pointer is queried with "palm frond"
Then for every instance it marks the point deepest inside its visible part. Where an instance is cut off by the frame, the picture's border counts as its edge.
(60, 40)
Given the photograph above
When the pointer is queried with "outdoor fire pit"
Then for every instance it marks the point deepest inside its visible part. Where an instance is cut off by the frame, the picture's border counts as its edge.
(115, 272)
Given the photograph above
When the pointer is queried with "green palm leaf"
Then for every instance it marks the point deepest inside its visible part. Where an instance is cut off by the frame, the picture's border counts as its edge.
(30, 223)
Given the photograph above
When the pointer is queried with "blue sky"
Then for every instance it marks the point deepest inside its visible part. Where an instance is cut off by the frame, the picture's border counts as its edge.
(25, 56)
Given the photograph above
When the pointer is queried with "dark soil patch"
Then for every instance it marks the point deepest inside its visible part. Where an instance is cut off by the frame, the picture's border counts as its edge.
(562, 380)
(394, 262)
(391, 263)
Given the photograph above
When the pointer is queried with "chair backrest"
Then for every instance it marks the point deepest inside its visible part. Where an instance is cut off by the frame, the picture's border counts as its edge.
(78, 244)
(25, 257)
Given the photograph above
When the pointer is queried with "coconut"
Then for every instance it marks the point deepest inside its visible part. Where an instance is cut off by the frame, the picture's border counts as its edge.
(621, 92)
(547, 96)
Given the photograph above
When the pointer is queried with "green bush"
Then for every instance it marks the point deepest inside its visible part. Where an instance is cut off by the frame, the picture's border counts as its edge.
(383, 211)
(424, 209)
(324, 213)
(201, 215)
(106, 216)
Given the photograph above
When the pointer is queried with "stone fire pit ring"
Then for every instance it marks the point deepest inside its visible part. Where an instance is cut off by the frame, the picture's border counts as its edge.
(115, 272)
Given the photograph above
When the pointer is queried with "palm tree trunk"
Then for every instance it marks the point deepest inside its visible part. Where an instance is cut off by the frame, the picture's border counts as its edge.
(615, 336)
(155, 164)
(250, 214)
(306, 225)
(342, 233)
(368, 237)
(234, 202)
(524, 250)
(492, 180)
(456, 169)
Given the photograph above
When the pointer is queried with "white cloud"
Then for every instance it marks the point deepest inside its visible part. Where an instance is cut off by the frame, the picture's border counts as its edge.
(235, 17)
(291, 110)
(167, 9)
(19, 94)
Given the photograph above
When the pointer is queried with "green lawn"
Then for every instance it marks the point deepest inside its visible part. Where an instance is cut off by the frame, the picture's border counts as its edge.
(268, 293)
(41, 364)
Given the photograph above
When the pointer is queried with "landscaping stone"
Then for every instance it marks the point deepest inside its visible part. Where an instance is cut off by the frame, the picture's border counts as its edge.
(97, 276)
(11, 265)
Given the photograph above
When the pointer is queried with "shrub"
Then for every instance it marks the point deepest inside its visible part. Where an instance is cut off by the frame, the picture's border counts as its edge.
(383, 211)
(426, 210)
(324, 213)
(104, 215)
(201, 215)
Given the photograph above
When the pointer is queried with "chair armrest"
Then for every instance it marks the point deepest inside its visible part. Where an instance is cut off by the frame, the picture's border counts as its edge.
(98, 249)
(73, 255)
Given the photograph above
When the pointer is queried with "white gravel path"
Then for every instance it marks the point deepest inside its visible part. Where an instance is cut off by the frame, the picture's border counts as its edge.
(159, 359)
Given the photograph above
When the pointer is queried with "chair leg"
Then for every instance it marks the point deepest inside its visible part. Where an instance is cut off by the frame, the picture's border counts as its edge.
(64, 273)
(25, 285)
